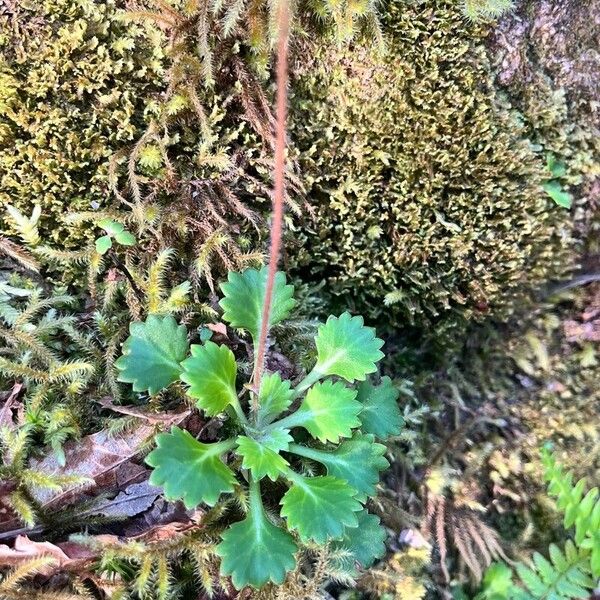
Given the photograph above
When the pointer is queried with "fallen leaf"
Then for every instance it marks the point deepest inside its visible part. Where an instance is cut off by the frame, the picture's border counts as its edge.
(130, 502)
(91, 457)
(219, 328)
(25, 549)
(96, 457)
(6, 416)
(166, 419)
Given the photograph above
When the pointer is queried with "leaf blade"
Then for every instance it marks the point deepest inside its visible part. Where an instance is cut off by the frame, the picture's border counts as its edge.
(211, 373)
(189, 470)
(346, 348)
(366, 541)
(329, 411)
(244, 298)
(319, 508)
(262, 457)
(152, 354)
(380, 414)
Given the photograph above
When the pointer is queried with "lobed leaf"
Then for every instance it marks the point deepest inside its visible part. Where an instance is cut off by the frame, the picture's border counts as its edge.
(189, 470)
(274, 397)
(329, 411)
(319, 508)
(152, 353)
(380, 414)
(357, 461)
(262, 456)
(254, 551)
(244, 299)
(366, 542)
(346, 348)
(211, 372)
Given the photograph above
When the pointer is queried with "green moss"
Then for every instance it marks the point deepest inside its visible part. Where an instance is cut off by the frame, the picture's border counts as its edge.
(75, 79)
(428, 203)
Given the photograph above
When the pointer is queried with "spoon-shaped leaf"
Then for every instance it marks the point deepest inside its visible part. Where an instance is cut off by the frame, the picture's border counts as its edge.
(244, 299)
(254, 551)
(366, 542)
(189, 470)
(319, 508)
(329, 411)
(211, 372)
(152, 353)
(262, 456)
(346, 348)
(357, 461)
(380, 414)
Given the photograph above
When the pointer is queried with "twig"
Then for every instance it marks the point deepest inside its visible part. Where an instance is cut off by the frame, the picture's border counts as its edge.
(121, 267)
(278, 191)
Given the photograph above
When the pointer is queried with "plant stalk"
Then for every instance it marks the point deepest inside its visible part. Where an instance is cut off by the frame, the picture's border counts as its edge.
(278, 192)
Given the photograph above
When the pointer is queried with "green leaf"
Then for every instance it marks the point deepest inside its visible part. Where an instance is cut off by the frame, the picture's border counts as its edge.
(319, 508)
(497, 581)
(357, 461)
(380, 414)
(189, 470)
(556, 167)
(262, 456)
(254, 551)
(329, 411)
(346, 348)
(152, 353)
(211, 373)
(366, 542)
(125, 238)
(275, 396)
(103, 244)
(244, 299)
(555, 191)
(111, 227)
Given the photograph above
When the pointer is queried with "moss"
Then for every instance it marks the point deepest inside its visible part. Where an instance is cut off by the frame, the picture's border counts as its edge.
(546, 62)
(75, 79)
(428, 207)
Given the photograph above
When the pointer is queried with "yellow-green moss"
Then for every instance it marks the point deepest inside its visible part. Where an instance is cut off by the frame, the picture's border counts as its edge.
(75, 79)
(428, 201)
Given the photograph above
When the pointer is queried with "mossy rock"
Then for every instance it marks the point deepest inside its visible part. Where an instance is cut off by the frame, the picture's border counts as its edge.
(75, 81)
(428, 206)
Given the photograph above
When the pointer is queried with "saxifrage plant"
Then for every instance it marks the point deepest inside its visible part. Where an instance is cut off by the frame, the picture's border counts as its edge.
(270, 427)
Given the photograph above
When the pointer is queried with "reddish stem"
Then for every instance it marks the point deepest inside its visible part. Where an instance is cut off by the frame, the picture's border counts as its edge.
(278, 191)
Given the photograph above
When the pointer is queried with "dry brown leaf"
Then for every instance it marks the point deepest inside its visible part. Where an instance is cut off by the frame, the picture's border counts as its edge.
(219, 328)
(25, 549)
(166, 419)
(132, 501)
(93, 457)
(6, 416)
(97, 457)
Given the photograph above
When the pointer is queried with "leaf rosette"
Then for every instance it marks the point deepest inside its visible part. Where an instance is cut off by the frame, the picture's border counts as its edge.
(322, 420)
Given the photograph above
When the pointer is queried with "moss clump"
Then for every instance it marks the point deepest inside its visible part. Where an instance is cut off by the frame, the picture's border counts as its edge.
(428, 203)
(75, 79)
(546, 62)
